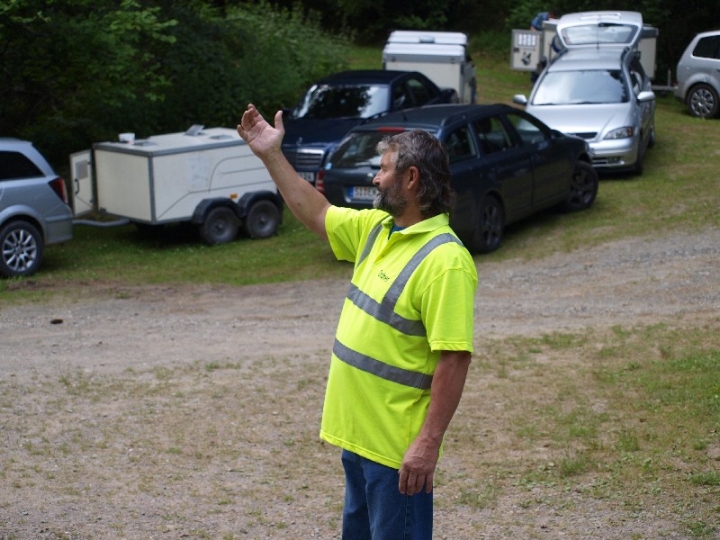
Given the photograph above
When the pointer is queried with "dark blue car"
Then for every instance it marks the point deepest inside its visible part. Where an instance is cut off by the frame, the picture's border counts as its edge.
(505, 164)
(335, 104)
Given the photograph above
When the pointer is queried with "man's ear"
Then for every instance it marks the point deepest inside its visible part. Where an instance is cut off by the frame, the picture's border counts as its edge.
(412, 178)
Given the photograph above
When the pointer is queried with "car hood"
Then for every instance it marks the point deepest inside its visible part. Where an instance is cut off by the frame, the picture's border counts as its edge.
(585, 119)
(312, 132)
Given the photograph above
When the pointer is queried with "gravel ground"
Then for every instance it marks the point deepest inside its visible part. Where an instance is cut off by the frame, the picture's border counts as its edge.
(192, 412)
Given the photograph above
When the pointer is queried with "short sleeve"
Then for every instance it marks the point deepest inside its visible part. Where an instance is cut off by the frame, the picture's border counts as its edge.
(347, 230)
(448, 307)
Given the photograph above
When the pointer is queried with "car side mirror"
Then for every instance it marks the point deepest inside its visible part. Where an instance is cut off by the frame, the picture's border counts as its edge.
(645, 95)
(520, 99)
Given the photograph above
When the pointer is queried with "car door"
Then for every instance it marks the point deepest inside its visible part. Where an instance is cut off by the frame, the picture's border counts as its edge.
(508, 163)
(640, 83)
(552, 167)
(468, 180)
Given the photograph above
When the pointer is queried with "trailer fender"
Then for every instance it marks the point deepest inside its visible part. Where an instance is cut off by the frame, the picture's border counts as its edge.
(247, 200)
(204, 207)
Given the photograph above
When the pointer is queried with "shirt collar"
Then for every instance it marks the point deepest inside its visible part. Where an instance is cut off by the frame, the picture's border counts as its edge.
(426, 225)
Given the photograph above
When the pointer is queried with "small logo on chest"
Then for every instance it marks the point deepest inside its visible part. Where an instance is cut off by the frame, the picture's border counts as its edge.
(382, 275)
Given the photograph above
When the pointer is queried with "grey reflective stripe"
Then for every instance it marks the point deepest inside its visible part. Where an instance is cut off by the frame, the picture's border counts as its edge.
(369, 243)
(381, 369)
(384, 311)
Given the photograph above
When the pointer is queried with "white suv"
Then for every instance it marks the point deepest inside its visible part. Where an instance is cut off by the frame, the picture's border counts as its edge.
(34, 208)
(698, 75)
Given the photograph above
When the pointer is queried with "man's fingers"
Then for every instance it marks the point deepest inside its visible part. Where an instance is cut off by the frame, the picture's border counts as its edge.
(279, 121)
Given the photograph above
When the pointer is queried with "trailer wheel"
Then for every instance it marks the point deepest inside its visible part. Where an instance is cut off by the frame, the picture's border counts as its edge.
(220, 226)
(262, 220)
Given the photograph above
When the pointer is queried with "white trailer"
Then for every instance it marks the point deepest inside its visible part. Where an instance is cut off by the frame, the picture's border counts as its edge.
(441, 56)
(208, 177)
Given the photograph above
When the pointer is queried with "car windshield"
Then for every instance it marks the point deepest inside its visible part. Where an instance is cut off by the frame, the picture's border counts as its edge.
(593, 34)
(324, 101)
(581, 87)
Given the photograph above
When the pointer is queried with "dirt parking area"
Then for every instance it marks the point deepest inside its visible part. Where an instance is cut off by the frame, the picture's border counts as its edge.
(192, 411)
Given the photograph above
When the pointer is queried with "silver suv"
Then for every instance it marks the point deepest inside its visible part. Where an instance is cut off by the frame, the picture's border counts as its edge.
(698, 75)
(34, 208)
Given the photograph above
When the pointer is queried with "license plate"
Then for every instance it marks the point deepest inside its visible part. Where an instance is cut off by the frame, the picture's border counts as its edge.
(363, 192)
(309, 176)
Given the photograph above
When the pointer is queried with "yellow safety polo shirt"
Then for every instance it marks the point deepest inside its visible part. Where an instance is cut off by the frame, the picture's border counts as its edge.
(411, 296)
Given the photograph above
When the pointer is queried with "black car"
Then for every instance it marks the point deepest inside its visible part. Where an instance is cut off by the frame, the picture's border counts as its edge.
(505, 165)
(335, 104)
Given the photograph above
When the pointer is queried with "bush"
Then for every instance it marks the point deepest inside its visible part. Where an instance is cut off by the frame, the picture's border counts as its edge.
(86, 70)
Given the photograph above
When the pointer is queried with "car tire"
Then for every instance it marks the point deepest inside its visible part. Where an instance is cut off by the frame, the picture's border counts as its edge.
(583, 188)
(639, 166)
(651, 140)
(702, 101)
(489, 225)
(262, 220)
(21, 249)
(220, 226)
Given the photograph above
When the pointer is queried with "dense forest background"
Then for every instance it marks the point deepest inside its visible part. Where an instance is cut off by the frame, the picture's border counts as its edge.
(74, 72)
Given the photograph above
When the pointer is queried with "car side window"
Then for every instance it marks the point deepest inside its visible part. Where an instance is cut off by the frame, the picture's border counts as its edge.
(492, 136)
(14, 165)
(401, 98)
(708, 47)
(528, 129)
(419, 91)
(459, 145)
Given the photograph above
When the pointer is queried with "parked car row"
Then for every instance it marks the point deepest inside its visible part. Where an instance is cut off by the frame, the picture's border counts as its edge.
(591, 110)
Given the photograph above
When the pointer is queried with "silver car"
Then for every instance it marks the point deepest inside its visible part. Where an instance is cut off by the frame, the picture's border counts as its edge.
(698, 75)
(34, 208)
(603, 95)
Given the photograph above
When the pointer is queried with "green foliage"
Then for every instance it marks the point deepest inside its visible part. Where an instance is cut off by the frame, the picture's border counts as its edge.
(79, 72)
(67, 62)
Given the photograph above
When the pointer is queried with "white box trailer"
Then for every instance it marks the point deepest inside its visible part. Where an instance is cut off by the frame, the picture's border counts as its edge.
(441, 56)
(208, 177)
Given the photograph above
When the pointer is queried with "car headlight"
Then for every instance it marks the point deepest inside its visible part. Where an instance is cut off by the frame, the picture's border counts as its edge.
(620, 133)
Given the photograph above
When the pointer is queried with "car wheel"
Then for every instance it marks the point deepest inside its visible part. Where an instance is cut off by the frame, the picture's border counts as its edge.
(220, 226)
(22, 249)
(702, 101)
(262, 220)
(583, 188)
(489, 225)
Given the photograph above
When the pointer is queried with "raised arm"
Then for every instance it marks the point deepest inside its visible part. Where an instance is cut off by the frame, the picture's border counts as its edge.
(304, 201)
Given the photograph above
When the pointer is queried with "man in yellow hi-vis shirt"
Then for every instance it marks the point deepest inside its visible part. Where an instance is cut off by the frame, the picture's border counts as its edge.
(404, 339)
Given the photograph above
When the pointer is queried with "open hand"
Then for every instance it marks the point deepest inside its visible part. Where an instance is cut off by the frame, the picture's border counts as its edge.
(263, 139)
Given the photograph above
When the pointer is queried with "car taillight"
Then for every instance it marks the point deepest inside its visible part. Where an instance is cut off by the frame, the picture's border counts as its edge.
(58, 186)
(320, 181)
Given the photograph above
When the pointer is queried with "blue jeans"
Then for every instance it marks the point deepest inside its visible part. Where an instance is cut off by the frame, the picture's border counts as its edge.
(374, 507)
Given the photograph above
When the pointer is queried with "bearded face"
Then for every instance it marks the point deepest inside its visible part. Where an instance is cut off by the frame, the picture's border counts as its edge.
(391, 199)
